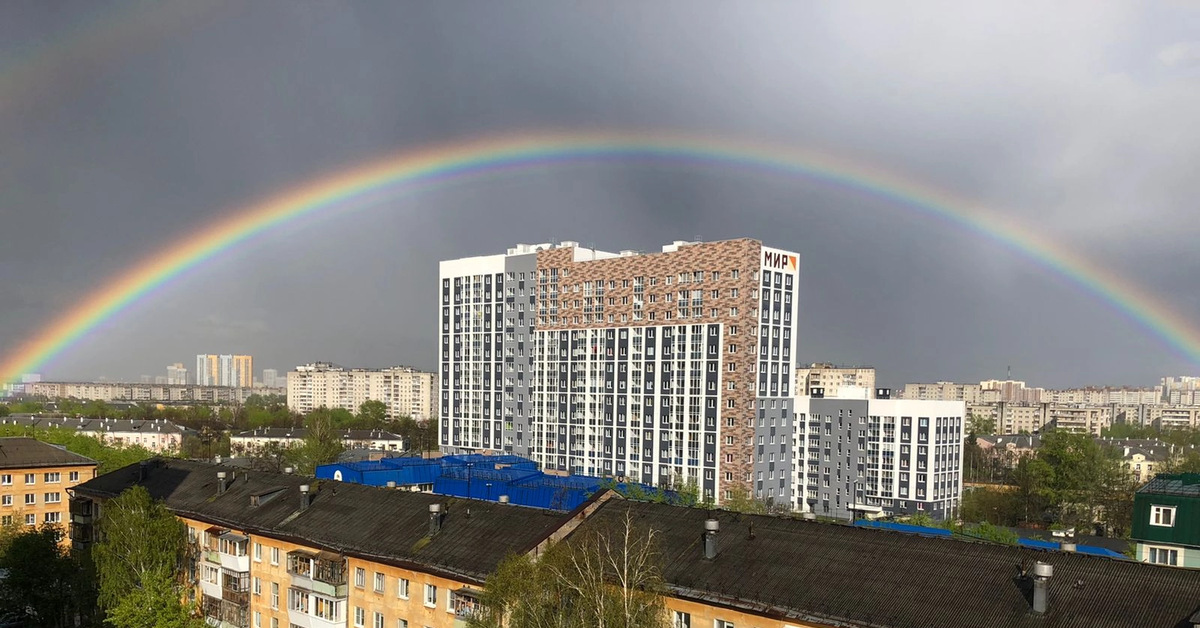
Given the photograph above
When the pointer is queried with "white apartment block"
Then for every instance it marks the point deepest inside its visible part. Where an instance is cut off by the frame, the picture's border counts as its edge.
(168, 393)
(404, 390)
(944, 391)
(1080, 419)
(657, 367)
(829, 380)
(157, 435)
(251, 441)
(868, 457)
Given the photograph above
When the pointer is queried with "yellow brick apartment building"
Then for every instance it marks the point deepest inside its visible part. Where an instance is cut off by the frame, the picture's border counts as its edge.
(282, 551)
(34, 479)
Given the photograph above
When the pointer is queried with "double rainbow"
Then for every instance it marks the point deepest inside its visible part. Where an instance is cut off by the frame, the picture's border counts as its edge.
(457, 162)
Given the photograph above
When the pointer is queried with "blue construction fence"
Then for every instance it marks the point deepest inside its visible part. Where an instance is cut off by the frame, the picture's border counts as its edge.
(483, 477)
(1023, 542)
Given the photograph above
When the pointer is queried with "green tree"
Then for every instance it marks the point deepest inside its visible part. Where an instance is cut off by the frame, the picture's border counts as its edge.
(154, 604)
(978, 424)
(142, 546)
(740, 500)
(921, 518)
(608, 577)
(42, 581)
(4, 411)
(372, 414)
(989, 532)
(322, 444)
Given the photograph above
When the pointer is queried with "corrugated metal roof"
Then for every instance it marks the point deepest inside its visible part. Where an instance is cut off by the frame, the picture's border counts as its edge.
(387, 525)
(835, 574)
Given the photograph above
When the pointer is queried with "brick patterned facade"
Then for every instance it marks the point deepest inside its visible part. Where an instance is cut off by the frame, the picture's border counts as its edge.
(725, 267)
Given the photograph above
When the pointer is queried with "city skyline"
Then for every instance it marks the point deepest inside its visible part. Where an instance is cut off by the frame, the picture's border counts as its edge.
(888, 281)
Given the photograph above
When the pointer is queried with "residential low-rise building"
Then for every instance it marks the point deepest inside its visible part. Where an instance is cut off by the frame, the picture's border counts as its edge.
(1009, 448)
(275, 549)
(252, 441)
(1166, 520)
(156, 435)
(34, 480)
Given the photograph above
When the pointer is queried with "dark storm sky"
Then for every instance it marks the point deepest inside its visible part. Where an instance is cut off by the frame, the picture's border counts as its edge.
(1078, 119)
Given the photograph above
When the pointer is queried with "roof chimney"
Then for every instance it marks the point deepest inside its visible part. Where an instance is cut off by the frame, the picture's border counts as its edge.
(1042, 572)
(503, 499)
(435, 519)
(710, 538)
(221, 484)
(391, 484)
(303, 497)
(142, 471)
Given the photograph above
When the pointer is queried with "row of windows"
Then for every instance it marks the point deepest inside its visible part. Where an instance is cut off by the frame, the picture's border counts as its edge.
(48, 478)
(31, 499)
(31, 519)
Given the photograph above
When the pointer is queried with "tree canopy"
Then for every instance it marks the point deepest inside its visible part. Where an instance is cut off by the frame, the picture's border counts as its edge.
(141, 551)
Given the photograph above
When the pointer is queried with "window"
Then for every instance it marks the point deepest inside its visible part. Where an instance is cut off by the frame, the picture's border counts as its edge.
(430, 596)
(721, 623)
(274, 622)
(274, 596)
(30, 499)
(360, 616)
(379, 582)
(257, 619)
(6, 479)
(360, 577)
(257, 586)
(681, 620)
(52, 498)
(378, 619)
(1162, 516)
(30, 520)
(6, 520)
(274, 555)
(1164, 556)
(52, 478)
(53, 517)
(73, 476)
(401, 623)
(402, 588)
(258, 552)
(30, 478)
(7, 500)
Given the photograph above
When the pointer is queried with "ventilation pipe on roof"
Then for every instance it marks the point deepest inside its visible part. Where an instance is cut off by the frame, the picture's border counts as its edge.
(221, 484)
(142, 471)
(1042, 572)
(711, 526)
(503, 499)
(809, 516)
(391, 484)
(1067, 547)
(303, 497)
(435, 519)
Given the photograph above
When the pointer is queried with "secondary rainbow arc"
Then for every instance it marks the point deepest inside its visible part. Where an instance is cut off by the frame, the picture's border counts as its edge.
(461, 161)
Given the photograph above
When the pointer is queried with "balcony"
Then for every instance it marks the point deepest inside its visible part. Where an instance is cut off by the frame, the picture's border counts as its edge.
(319, 572)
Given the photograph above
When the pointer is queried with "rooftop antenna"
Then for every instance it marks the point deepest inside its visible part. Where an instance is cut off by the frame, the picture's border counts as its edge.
(1010, 373)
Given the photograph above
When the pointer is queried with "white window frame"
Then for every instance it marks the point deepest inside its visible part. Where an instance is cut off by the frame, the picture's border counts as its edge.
(1156, 516)
(430, 589)
(680, 619)
(380, 582)
(1153, 552)
(402, 588)
(360, 617)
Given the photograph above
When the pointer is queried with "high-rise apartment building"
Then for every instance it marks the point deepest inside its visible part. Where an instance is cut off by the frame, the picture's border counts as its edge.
(404, 390)
(670, 366)
(271, 379)
(829, 380)
(225, 370)
(177, 374)
(866, 457)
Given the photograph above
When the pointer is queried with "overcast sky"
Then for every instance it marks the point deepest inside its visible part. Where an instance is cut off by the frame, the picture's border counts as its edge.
(1082, 120)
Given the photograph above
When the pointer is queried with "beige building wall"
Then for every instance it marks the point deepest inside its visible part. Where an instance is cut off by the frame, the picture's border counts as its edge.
(40, 493)
(406, 391)
(834, 378)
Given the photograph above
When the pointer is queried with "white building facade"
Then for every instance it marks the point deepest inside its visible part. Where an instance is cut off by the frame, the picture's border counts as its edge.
(404, 390)
(868, 457)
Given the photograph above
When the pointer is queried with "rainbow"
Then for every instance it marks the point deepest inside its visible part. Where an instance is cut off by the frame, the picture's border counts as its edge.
(459, 161)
